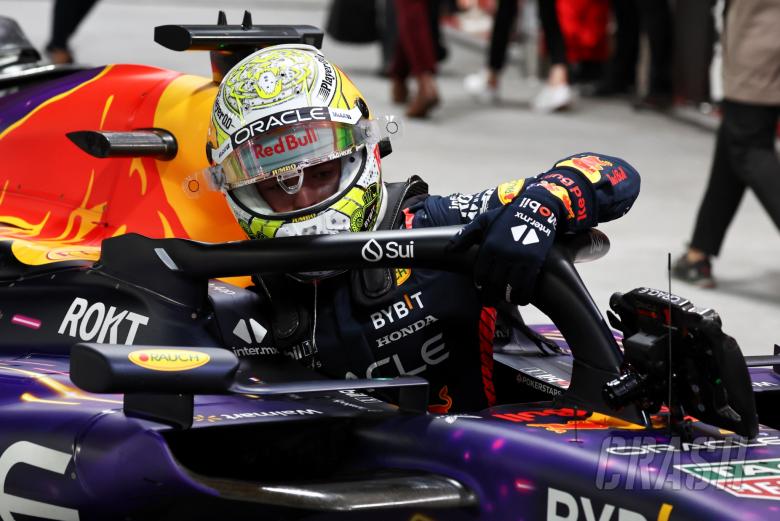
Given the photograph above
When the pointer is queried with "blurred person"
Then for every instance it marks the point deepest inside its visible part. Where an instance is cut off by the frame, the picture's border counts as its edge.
(415, 55)
(655, 20)
(745, 155)
(584, 27)
(483, 85)
(67, 15)
(556, 93)
(632, 18)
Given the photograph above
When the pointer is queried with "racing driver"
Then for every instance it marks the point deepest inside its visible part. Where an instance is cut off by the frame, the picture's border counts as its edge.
(297, 152)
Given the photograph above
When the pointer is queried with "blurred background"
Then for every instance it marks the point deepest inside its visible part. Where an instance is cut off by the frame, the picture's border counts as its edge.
(639, 79)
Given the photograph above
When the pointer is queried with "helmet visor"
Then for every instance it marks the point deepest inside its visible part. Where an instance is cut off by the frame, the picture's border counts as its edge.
(286, 152)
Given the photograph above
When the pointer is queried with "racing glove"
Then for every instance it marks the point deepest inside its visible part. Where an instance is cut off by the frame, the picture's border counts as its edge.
(514, 240)
(579, 192)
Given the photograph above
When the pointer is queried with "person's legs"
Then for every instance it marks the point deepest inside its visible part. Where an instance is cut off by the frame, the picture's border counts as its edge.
(417, 45)
(503, 23)
(67, 16)
(744, 156)
(752, 130)
(556, 94)
(483, 85)
(656, 20)
(553, 36)
(720, 202)
(621, 74)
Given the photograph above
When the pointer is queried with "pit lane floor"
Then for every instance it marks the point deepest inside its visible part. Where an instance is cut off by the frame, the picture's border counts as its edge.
(466, 146)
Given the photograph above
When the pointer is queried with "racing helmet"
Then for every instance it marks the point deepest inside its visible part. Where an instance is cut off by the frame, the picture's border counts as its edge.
(282, 117)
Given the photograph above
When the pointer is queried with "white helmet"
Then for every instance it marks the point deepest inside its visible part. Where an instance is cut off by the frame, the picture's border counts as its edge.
(278, 114)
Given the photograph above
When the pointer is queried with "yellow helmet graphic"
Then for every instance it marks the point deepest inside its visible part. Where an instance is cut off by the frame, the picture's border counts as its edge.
(294, 146)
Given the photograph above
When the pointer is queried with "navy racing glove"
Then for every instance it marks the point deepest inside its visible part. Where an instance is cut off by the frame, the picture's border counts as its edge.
(514, 241)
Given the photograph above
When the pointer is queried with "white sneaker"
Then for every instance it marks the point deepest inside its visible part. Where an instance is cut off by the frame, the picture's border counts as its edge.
(552, 98)
(477, 85)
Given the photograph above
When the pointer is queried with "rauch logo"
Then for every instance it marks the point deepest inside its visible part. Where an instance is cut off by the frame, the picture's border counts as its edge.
(168, 359)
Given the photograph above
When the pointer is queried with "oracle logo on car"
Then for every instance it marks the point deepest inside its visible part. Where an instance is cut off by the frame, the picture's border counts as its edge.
(168, 359)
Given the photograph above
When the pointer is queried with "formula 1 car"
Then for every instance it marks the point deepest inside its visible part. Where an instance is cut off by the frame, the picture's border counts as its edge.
(124, 313)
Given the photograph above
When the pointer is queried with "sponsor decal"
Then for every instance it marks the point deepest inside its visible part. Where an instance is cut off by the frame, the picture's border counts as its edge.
(539, 386)
(405, 331)
(221, 289)
(73, 252)
(303, 350)
(278, 119)
(304, 218)
(372, 251)
(764, 384)
(509, 190)
(25, 321)
(402, 275)
(397, 310)
(100, 323)
(432, 352)
(285, 144)
(562, 506)
(242, 331)
(255, 351)
(756, 479)
(539, 374)
(667, 297)
(266, 414)
(617, 175)
(211, 418)
(589, 166)
(580, 207)
(529, 416)
(328, 79)
(360, 397)
(445, 407)
(519, 232)
(168, 359)
(583, 420)
(562, 194)
(38, 456)
(539, 209)
(224, 119)
(470, 205)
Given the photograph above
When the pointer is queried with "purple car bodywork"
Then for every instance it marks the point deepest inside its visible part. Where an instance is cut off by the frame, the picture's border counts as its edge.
(68, 454)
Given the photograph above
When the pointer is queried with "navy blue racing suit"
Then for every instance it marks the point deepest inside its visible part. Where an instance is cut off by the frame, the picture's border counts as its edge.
(433, 323)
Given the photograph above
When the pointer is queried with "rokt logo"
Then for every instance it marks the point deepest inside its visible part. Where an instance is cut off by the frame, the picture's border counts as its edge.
(168, 359)
(95, 321)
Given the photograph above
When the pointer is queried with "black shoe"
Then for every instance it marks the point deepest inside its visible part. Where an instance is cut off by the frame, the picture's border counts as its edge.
(698, 273)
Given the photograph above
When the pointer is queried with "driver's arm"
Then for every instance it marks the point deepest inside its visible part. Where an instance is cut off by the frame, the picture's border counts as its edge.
(593, 188)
